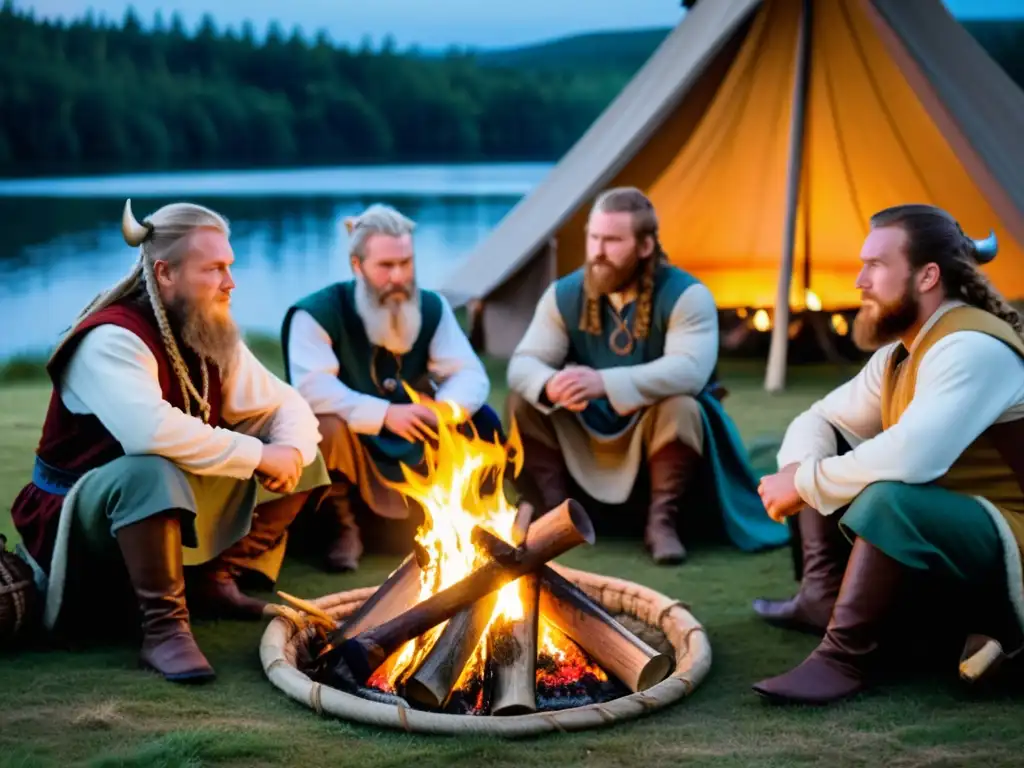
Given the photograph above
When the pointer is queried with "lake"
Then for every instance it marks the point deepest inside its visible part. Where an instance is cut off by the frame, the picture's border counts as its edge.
(62, 241)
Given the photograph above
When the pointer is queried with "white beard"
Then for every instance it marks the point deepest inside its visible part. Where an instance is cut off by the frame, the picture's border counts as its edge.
(393, 327)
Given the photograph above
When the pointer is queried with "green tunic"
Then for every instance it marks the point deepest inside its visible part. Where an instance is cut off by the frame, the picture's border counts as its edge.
(369, 369)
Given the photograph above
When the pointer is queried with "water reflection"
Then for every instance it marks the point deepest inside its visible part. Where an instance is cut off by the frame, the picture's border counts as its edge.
(59, 251)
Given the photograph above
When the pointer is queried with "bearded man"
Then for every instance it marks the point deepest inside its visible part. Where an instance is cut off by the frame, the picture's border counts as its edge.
(167, 447)
(929, 491)
(617, 366)
(352, 348)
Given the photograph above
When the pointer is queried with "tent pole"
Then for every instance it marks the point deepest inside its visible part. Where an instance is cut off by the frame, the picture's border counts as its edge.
(775, 376)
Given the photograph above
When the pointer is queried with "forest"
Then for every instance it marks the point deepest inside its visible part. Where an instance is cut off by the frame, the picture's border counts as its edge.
(95, 96)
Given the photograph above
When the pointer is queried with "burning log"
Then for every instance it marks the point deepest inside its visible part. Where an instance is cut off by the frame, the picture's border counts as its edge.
(440, 670)
(516, 668)
(398, 593)
(437, 675)
(515, 679)
(582, 620)
(597, 632)
(558, 531)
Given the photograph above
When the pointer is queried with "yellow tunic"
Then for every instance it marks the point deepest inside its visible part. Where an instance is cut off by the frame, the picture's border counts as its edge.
(991, 468)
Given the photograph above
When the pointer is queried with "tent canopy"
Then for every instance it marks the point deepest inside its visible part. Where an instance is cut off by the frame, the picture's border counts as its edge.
(901, 105)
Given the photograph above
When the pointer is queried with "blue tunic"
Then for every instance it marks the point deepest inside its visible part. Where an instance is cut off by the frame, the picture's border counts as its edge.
(733, 478)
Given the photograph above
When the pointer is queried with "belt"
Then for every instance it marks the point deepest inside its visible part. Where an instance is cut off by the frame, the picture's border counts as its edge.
(51, 479)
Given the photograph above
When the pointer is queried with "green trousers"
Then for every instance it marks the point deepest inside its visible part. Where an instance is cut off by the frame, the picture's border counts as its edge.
(215, 513)
(926, 527)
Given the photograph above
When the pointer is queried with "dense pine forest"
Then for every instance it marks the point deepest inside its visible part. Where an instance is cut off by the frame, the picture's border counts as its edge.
(95, 95)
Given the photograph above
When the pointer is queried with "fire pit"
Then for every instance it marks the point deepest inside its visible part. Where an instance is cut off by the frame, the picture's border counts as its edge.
(477, 631)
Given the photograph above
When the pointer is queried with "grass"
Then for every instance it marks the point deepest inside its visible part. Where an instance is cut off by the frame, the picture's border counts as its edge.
(95, 708)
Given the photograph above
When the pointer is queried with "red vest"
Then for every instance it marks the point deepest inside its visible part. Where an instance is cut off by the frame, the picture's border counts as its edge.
(74, 443)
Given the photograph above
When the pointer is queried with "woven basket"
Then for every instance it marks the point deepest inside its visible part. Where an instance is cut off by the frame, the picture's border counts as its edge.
(283, 638)
(19, 597)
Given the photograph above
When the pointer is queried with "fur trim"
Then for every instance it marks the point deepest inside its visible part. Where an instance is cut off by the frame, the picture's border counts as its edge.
(1011, 558)
(59, 561)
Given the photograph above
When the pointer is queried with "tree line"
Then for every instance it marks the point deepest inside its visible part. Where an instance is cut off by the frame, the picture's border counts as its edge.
(90, 95)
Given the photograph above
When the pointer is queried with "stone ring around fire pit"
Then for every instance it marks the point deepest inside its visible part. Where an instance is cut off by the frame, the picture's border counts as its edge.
(283, 639)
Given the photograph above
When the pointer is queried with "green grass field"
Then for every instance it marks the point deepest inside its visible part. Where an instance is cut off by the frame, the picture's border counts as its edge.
(96, 708)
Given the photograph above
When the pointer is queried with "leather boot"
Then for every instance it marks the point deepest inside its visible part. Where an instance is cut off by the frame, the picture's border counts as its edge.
(825, 552)
(843, 662)
(670, 470)
(214, 591)
(544, 475)
(346, 546)
(151, 549)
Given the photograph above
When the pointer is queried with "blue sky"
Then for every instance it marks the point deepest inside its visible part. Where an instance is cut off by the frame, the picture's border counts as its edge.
(438, 23)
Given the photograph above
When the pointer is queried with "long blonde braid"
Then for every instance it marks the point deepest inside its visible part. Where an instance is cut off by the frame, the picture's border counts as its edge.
(159, 237)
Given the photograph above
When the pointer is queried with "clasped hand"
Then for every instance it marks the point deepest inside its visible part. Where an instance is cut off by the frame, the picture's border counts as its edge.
(280, 468)
(779, 494)
(574, 387)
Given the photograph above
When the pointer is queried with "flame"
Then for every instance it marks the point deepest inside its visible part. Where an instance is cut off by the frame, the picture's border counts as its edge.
(570, 662)
(840, 325)
(762, 321)
(462, 488)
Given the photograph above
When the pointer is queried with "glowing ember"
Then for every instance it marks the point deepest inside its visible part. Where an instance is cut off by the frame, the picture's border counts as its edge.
(560, 661)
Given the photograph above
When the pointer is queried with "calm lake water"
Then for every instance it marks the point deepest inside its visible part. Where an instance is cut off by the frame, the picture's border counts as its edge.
(62, 241)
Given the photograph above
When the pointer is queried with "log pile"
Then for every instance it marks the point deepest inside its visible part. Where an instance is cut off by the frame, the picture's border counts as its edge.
(372, 637)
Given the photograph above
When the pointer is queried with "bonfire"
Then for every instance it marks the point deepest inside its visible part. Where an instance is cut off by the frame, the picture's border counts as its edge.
(475, 621)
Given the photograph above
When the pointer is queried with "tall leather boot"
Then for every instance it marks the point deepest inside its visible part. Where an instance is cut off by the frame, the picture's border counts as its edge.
(825, 552)
(670, 470)
(214, 591)
(843, 662)
(544, 480)
(346, 546)
(151, 549)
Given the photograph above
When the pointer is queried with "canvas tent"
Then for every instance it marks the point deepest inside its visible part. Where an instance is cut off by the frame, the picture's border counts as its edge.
(766, 133)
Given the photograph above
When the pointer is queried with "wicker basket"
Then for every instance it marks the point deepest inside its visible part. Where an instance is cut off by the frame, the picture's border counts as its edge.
(19, 597)
(283, 639)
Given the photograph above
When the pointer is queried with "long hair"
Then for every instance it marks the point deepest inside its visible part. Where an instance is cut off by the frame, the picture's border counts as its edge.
(934, 236)
(159, 237)
(645, 224)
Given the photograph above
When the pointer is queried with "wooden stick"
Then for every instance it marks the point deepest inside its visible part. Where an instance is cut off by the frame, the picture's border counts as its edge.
(398, 593)
(441, 668)
(513, 649)
(558, 531)
(308, 607)
(515, 681)
(432, 682)
(616, 649)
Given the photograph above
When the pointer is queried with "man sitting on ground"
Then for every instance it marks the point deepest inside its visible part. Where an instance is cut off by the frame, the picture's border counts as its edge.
(161, 428)
(617, 366)
(352, 348)
(930, 494)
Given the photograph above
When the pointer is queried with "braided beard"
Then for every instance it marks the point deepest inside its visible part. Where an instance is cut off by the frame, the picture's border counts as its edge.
(212, 335)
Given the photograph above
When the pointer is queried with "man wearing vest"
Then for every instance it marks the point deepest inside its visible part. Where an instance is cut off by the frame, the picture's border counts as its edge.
(930, 494)
(352, 348)
(167, 449)
(617, 368)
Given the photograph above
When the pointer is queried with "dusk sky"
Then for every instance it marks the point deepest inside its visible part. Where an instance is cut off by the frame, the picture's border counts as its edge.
(437, 23)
